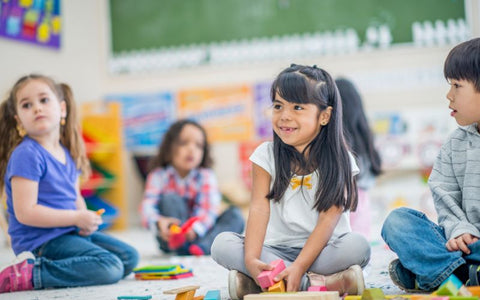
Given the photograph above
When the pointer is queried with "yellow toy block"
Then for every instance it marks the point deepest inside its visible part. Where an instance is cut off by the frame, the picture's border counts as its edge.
(330, 295)
(373, 294)
(277, 287)
(183, 293)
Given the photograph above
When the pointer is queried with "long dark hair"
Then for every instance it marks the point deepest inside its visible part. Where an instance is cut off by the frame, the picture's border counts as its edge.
(167, 146)
(357, 131)
(327, 153)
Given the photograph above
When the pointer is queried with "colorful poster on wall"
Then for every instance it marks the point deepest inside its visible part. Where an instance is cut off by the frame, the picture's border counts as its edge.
(146, 117)
(225, 112)
(263, 110)
(33, 21)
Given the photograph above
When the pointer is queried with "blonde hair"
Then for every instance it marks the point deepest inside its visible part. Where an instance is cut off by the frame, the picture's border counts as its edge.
(70, 136)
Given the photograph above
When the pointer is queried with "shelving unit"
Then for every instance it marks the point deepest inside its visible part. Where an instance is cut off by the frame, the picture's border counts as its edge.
(102, 130)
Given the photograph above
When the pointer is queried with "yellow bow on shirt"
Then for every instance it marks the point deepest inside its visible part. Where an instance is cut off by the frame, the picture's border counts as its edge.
(297, 181)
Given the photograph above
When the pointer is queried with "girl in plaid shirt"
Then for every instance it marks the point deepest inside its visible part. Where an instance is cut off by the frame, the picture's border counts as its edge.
(181, 186)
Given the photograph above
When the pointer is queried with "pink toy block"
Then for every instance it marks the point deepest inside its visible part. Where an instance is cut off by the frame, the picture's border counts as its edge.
(265, 278)
(317, 288)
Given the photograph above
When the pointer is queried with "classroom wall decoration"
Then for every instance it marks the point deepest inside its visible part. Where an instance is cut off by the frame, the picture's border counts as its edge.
(146, 117)
(226, 112)
(33, 21)
(263, 110)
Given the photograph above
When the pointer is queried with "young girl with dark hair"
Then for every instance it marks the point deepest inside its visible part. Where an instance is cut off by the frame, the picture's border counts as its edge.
(41, 157)
(359, 137)
(181, 186)
(303, 188)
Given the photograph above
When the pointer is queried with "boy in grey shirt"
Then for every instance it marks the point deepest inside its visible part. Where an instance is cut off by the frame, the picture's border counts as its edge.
(428, 253)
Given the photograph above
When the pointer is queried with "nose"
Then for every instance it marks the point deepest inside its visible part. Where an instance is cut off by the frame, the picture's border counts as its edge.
(37, 107)
(450, 95)
(285, 115)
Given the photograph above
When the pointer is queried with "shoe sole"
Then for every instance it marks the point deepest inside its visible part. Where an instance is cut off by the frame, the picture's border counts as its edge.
(360, 280)
(396, 280)
(232, 285)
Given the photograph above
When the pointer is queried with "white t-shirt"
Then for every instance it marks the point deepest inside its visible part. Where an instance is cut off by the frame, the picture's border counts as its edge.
(293, 218)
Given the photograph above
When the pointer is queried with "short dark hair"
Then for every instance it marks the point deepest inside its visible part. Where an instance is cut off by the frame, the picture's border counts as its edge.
(463, 63)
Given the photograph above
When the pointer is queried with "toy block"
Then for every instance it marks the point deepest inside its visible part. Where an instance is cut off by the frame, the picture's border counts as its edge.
(265, 278)
(212, 295)
(317, 288)
(277, 287)
(439, 298)
(134, 297)
(452, 286)
(373, 294)
(183, 293)
(352, 297)
(330, 295)
(463, 298)
(475, 290)
(201, 297)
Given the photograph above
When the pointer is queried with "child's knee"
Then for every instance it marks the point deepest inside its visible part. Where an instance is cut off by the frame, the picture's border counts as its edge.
(221, 244)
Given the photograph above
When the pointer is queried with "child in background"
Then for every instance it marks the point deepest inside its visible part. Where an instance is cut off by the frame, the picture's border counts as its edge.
(41, 156)
(181, 186)
(303, 187)
(429, 253)
(360, 138)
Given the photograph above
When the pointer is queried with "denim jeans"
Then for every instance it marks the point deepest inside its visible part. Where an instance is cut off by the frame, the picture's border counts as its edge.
(175, 206)
(72, 260)
(420, 246)
(349, 249)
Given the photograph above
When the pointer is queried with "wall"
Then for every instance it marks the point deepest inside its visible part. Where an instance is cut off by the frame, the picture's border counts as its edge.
(82, 62)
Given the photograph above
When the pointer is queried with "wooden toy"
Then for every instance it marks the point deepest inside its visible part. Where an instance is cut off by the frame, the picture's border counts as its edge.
(265, 278)
(162, 272)
(475, 290)
(330, 295)
(212, 295)
(183, 293)
(373, 294)
(452, 286)
(278, 287)
(177, 233)
(317, 288)
(135, 297)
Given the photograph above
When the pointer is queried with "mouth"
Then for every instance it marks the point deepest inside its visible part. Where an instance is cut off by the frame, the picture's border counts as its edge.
(287, 129)
(453, 112)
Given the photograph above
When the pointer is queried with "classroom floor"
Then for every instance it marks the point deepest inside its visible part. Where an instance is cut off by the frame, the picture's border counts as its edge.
(207, 274)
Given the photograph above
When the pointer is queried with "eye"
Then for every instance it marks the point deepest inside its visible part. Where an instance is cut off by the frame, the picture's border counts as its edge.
(44, 100)
(26, 105)
(277, 106)
(297, 107)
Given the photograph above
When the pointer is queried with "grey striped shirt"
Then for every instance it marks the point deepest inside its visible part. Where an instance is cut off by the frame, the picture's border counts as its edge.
(455, 183)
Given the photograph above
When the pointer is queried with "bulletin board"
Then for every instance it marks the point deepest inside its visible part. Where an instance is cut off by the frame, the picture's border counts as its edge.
(171, 23)
(33, 21)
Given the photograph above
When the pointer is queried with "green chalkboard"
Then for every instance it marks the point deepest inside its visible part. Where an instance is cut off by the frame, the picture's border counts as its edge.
(146, 24)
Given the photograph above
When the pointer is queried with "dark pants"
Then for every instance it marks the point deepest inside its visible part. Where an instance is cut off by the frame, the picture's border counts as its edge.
(175, 206)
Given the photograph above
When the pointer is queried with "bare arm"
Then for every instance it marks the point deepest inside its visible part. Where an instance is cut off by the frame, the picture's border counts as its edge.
(318, 239)
(29, 212)
(258, 216)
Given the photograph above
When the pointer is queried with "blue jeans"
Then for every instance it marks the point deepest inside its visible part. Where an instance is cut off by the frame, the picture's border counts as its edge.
(175, 206)
(420, 246)
(73, 260)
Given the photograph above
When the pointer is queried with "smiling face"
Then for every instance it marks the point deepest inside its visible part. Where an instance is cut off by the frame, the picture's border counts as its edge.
(297, 124)
(38, 109)
(188, 150)
(464, 102)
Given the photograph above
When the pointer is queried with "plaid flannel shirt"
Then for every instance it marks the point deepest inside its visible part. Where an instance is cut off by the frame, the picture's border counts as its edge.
(199, 187)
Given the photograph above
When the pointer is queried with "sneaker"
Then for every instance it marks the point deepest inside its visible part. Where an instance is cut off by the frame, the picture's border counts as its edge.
(240, 285)
(402, 277)
(349, 281)
(18, 275)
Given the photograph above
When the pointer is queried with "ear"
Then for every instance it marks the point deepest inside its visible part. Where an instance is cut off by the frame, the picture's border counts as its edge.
(325, 115)
(19, 123)
(63, 108)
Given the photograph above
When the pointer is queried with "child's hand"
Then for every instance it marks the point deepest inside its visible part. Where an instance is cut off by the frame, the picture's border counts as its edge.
(461, 243)
(87, 221)
(163, 227)
(190, 235)
(256, 266)
(292, 276)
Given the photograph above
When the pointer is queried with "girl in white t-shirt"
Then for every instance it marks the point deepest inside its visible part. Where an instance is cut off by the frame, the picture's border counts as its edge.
(303, 189)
